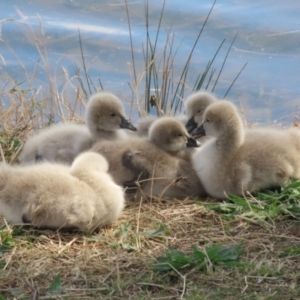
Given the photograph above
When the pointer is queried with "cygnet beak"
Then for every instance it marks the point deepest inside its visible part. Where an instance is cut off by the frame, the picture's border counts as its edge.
(127, 124)
(192, 142)
(191, 125)
(198, 132)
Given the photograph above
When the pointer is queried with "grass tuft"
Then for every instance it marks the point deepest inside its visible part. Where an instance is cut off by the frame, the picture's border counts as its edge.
(6, 241)
(205, 260)
(263, 207)
(55, 286)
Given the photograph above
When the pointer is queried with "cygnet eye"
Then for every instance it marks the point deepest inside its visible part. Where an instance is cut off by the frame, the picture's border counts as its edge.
(113, 115)
(199, 111)
(207, 120)
(179, 134)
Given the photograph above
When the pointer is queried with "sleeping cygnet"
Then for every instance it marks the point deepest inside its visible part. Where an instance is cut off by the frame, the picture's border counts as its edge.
(58, 143)
(55, 196)
(63, 142)
(237, 161)
(145, 160)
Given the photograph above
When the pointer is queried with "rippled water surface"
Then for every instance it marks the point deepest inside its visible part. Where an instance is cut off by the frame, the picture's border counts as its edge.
(268, 40)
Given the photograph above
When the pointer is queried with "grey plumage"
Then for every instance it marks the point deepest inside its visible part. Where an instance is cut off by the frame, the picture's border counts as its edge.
(163, 168)
(195, 106)
(63, 142)
(60, 143)
(171, 135)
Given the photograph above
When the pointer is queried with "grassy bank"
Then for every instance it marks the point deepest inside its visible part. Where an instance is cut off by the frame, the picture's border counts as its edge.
(159, 248)
(252, 260)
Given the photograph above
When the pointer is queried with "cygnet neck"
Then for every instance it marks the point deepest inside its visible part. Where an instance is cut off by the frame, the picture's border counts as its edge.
(232, 137)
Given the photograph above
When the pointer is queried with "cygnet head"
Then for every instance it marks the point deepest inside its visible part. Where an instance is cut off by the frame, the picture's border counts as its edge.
(195, 106)
(219, 118)
(170, 135)
(105, 112)
(90, 161)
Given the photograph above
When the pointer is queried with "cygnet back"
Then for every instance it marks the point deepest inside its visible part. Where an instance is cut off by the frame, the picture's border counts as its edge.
(59, 142)
(92, 168)
(89, 162)
(144, 124)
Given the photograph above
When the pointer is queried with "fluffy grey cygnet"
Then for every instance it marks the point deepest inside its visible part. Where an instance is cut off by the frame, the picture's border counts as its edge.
(195, 106)
(171, 135)
(159, 159)
(63, 142)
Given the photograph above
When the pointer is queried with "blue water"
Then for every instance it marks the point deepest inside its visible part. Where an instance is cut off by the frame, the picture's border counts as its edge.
(268, 40)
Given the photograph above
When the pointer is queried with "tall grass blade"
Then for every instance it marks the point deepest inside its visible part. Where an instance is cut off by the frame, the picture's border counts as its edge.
(131, 44)
(150, 65)
(224, 63)
(237, 76)
(200, 82)
(100, 83)
(83, 62)
(186, 67)
(79, 78)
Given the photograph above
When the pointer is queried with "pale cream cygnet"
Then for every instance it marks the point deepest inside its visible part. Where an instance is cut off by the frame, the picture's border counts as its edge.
(56, 196)
(236, 161)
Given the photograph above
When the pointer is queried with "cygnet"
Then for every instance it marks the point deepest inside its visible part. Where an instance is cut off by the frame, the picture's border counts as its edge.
(236, 161)
(63, 142)
(56, 196)
(194, 106)
(170, 175)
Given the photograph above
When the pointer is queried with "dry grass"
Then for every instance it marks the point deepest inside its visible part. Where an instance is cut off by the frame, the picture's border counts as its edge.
(117, 262)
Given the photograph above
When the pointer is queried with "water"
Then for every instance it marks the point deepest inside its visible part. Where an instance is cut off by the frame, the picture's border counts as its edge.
(268, 40)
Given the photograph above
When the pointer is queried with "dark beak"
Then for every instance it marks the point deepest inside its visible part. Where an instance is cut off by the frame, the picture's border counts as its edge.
(191, 125)
(198, 132)
(192, 142)
(127, 124)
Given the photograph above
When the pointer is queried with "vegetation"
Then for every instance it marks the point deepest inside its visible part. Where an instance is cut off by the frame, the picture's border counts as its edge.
(264, 208)
(158, 75)
(244, 248)
(159, 248)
